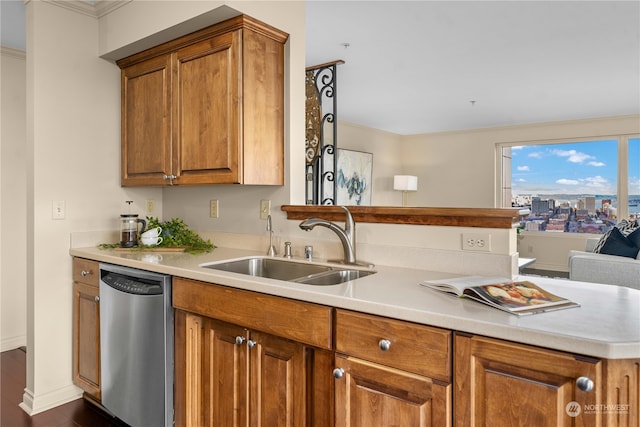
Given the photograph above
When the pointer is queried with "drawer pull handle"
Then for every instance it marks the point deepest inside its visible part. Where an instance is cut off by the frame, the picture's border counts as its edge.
(384, 345)
(584, 383)
(251, 343)
(240, 340)
(338, 373)
(85, 273)
(96, 298)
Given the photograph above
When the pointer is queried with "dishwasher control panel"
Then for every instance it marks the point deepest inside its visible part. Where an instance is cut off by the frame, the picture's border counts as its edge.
(129, 285)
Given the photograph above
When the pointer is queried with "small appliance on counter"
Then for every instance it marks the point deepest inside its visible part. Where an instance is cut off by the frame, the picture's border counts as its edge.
(129, 228)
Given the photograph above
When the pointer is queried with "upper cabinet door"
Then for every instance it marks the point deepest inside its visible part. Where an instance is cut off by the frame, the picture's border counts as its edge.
(206, 91)
(146, 122)
(207, 108)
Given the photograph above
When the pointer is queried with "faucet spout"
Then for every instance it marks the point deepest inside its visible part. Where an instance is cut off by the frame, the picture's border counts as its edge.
(347, 235)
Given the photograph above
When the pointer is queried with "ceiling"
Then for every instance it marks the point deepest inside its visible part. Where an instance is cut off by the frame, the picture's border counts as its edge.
(416, 66)
(429, 66)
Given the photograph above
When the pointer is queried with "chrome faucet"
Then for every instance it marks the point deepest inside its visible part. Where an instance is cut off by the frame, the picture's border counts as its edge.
(347, 235)
(272, 248)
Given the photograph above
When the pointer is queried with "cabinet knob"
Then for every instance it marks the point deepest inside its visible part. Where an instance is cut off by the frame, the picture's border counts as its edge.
(85, 273)
(584, 383)
(240, 339)
(338, 373)
(384, 345)
(96, 298)
(251, 343)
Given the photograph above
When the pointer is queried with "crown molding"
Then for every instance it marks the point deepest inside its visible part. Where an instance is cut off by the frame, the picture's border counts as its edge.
(95, 9)
(14, 53)
(104, 7)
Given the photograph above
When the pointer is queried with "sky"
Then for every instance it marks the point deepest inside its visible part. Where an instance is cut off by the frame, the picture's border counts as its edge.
(576, 168)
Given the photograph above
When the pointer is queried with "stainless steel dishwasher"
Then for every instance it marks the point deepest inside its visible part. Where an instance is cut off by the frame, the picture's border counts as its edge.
(136, 345)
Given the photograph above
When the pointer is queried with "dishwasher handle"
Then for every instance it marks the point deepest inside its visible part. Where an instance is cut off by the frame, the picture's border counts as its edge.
(131, 285)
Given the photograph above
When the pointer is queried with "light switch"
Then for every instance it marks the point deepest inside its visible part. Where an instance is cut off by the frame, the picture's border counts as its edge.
(57, 209)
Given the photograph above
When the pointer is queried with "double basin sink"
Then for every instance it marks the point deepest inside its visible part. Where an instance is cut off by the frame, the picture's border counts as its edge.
(291, 271)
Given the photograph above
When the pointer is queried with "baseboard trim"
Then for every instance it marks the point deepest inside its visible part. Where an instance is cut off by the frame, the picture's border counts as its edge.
(33, 405)
(13, 343)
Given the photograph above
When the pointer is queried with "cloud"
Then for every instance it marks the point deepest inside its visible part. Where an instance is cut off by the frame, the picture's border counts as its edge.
(536, 155)
(564, 181)
(596, 164)
(522, 180)
(596, 182)
(572, 156)
(523, 169)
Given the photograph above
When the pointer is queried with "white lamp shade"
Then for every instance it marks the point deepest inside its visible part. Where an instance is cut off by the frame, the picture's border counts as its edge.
(405, 183)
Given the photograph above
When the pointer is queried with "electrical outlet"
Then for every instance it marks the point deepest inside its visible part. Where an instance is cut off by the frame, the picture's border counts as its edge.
(476, 242)
(265, 208)
(57, 209)
(151, 205)
(213, 208)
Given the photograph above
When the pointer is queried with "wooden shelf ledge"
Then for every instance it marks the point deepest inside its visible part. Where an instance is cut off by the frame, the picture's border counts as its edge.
(453, 217)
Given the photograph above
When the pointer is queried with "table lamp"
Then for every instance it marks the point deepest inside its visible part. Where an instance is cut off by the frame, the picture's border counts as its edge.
(405, 183)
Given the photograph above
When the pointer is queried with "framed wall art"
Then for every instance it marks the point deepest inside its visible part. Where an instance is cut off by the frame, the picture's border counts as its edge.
(353, 178)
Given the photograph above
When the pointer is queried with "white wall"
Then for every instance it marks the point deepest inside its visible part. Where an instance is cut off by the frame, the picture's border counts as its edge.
(387, 160)
(73, 154)
(459, 169)
(13, 280)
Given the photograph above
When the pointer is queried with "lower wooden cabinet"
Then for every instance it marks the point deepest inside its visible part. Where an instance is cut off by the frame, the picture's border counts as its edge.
(501, 383)
(369, 394)
(498, 383)
(390, 372)
(86, 327)
(238, 375)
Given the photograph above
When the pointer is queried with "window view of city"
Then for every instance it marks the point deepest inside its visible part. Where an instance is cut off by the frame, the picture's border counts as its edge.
(572, 188)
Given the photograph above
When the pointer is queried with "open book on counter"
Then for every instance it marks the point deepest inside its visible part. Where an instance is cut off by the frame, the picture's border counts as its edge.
(521, 297)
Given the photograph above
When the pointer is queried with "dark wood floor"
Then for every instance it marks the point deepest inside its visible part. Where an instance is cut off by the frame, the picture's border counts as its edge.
(78, 413)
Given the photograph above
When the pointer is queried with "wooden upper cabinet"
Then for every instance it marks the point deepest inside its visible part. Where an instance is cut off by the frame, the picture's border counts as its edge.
(207, 108)
(146, 122)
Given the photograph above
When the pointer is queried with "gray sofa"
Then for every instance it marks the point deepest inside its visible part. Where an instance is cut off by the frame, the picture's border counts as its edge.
(587, 266)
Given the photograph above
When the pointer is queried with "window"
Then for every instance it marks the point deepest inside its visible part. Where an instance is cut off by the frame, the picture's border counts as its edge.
(634, 177)
(572, 186)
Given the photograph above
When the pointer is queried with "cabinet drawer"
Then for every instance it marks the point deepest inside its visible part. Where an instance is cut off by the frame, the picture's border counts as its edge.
(86, 271)
(296, 320)
(415, 348)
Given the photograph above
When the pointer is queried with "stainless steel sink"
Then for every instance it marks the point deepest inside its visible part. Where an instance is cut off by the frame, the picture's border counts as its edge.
(291, 271)
(335, 277)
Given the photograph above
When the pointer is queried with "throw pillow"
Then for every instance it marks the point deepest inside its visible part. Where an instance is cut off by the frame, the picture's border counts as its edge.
(625, 226)
(601, 242)
(634, 237)
(618, 244)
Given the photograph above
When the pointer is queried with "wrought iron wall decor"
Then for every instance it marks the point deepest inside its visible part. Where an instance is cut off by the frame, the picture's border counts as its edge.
(321, 139)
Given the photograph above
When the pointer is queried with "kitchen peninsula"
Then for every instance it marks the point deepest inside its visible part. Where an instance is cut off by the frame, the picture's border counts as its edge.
(441, 345)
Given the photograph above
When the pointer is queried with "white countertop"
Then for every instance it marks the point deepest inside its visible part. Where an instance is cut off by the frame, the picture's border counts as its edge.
(607, 324)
